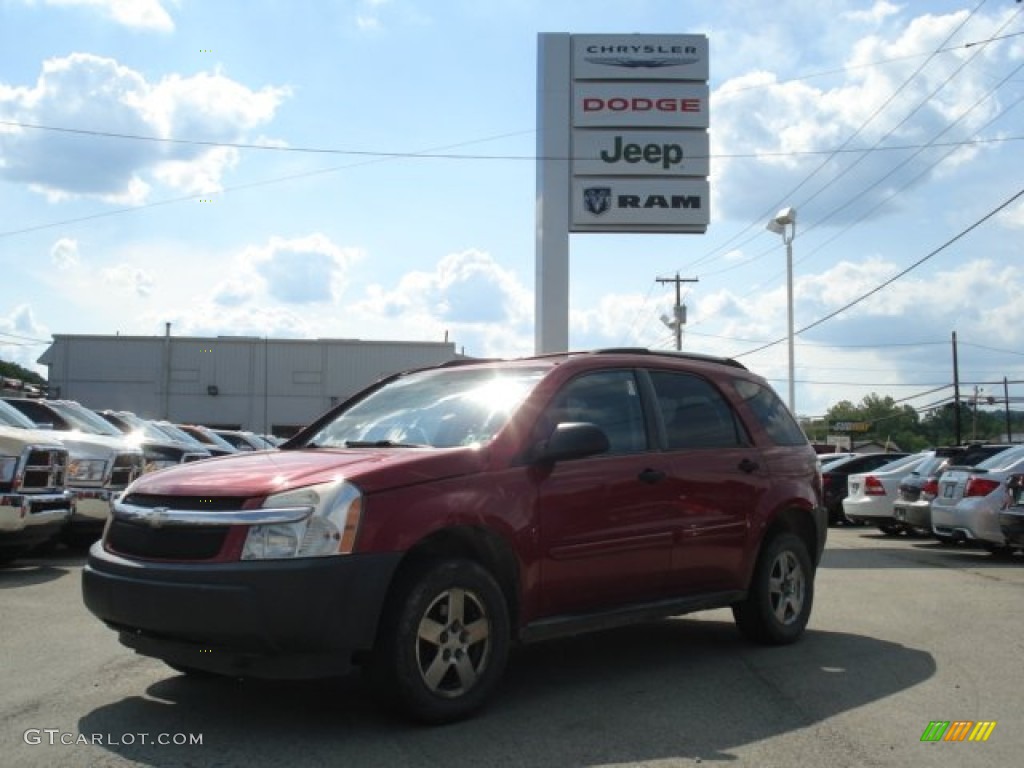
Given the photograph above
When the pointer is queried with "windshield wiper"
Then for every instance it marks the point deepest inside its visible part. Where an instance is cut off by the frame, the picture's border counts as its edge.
(378, 444)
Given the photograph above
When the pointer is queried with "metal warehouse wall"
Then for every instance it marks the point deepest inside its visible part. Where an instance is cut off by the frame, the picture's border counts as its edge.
(258, 384)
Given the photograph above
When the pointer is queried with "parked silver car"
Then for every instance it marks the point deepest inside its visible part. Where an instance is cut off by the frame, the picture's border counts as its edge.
(969, 500)
(913, 504)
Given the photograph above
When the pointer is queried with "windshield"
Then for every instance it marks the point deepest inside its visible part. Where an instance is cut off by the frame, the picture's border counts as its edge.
(177, 434)
(85, 420)
(12, 417)
(907, 463)
(1003, 459)
(441, 408)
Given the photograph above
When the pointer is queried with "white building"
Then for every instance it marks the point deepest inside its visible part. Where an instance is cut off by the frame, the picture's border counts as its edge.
(265, 385)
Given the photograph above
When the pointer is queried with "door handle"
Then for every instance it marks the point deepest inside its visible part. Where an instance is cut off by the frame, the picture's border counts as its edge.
(748, 466)
(651, 476)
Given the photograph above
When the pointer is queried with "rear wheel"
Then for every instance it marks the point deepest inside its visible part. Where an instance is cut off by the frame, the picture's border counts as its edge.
(444, 641)
(778, 604)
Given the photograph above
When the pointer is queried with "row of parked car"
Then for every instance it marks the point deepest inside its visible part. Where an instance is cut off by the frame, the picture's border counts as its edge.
(62, 464)
(967, 493)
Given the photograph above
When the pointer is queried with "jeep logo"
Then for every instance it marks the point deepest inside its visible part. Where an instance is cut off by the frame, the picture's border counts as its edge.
(666, 155)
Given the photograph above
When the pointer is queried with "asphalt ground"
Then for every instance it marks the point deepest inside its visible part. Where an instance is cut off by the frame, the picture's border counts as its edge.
(904, 632)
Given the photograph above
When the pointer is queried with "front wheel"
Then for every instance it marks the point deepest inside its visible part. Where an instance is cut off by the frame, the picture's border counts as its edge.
(891, 529)
(996, 549)
(778, 604)
(445, 641)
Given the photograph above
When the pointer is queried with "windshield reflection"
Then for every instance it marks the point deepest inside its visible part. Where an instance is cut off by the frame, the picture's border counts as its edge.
(440, 409)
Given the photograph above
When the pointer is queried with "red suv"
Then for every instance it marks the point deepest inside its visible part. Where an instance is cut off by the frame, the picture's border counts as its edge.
(427, 524)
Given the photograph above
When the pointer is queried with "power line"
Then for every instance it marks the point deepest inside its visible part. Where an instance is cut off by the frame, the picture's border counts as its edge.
(963, 233)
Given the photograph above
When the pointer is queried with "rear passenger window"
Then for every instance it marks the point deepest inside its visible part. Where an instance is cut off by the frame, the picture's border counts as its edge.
(694, 413)
(774, 416)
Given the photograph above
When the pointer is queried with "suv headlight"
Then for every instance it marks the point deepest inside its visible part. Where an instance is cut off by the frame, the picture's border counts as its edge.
(87, 470)
(329, 529)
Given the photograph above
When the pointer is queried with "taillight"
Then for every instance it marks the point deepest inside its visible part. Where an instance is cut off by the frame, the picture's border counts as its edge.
(980, 486)
(873, 486)
(930, 489)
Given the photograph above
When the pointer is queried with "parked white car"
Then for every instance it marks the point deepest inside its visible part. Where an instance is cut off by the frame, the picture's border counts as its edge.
(870, 495)
(969, 500)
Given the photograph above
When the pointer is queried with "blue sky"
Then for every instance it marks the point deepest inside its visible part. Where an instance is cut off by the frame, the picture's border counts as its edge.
(274, 186)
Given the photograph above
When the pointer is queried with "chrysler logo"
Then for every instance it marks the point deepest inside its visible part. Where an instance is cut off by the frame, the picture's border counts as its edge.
(622, 61)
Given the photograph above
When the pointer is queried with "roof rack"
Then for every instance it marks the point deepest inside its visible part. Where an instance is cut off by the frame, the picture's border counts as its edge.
(670, 353)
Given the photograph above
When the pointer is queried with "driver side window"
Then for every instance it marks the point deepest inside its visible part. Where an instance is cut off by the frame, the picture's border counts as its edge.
(609, 399)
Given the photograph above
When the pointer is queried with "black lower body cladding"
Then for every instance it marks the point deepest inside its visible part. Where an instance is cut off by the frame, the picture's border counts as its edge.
(300, 618)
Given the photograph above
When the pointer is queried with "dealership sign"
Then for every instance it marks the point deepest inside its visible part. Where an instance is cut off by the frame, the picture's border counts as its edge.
(639, 114)
(622, 146)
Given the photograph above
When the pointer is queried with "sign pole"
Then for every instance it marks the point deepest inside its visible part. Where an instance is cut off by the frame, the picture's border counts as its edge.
(551, 329)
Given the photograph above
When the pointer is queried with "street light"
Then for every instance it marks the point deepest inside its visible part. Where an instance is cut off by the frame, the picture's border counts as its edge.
(784, 224)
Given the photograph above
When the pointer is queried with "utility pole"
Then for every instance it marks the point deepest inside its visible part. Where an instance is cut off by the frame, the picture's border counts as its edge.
(678, 311)
(956, 393)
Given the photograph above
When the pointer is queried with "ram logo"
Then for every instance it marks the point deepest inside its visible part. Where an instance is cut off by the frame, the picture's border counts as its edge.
(597, 200)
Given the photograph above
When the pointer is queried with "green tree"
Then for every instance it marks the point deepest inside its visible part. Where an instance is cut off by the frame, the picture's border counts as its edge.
(887, 421)
(15, 371)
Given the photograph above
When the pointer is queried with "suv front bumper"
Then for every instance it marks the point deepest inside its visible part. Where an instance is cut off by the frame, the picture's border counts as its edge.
(299, 618)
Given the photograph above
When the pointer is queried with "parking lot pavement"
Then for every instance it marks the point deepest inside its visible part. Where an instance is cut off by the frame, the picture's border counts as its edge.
(904, 633)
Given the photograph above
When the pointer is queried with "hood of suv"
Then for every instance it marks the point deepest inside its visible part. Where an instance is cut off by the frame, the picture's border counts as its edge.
(267, 472)
(84, 445)
(14, 439)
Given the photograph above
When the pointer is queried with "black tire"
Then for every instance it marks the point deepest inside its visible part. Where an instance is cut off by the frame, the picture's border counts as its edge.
(946, 541)
(778, 604)
(444, 641)
(193, 672)
(891, 529)
(996, 550)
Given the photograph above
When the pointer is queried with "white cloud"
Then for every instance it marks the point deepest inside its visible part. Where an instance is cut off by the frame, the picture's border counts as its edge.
(129, 279)
(64, 253)
(18, 332)
(796, 123)
(1013, 216)
(303, 270)
(141, 14)
(370, 15)
(468, 295)
(93, 93)
(877, 13)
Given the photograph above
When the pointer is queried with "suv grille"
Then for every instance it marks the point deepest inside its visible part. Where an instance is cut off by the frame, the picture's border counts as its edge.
(171, 542)
(186, 542)
(204, 503)
(44, 470)
(127, 467)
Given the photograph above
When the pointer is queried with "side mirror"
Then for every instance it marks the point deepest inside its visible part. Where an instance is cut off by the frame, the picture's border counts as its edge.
(573, 440)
